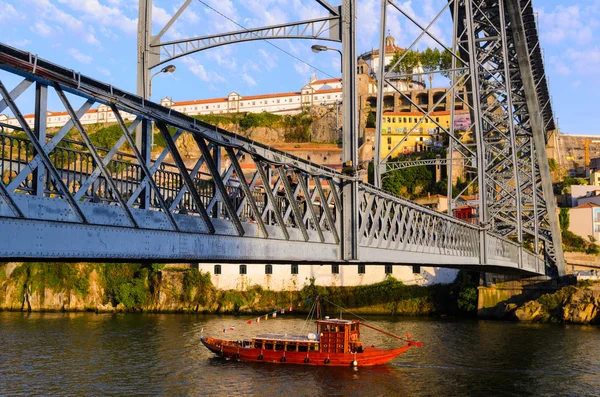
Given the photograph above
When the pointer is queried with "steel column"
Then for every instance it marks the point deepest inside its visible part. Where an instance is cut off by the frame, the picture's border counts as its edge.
(350, 131)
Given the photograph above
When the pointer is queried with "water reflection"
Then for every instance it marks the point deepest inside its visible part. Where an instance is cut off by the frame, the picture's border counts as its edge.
(128, 354)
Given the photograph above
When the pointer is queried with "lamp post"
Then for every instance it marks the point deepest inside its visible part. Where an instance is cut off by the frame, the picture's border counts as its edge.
(166, 69)
(320, 48)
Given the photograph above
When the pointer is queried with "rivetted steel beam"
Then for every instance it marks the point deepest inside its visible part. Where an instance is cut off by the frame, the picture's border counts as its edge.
(537, 124)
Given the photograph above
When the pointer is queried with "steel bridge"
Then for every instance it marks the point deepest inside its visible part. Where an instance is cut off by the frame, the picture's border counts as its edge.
(64, 199)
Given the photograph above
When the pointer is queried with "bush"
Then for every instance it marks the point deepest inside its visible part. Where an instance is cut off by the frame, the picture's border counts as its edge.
(467, 299)
(196, 286)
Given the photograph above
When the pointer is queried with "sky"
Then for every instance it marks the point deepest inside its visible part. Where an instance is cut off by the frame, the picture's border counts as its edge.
(98, 39)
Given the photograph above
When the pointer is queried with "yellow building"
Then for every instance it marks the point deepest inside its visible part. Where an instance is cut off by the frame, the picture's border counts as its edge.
(426, 136)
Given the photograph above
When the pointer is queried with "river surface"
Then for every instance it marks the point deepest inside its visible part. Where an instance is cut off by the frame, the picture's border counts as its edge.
(90, 354)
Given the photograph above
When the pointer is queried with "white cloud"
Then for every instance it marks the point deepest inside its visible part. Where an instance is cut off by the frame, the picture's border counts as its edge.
(19, 43)
(79, 56)
(578, 63)
(566, 23)
(270, 60)
(302, 69)
(42, 29)
(8, 12)
(248, 79)
(103, 71)
(94, 12)
(223, 56)
(200, 71)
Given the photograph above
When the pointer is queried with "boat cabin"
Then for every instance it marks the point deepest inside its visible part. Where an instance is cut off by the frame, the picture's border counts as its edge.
(333, 336)
(339, 336)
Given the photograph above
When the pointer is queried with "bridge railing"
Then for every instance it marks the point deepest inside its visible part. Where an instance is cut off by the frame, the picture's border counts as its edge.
(390, 222)
(500, 249)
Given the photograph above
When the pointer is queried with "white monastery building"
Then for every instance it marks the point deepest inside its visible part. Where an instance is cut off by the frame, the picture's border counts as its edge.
(317, 92)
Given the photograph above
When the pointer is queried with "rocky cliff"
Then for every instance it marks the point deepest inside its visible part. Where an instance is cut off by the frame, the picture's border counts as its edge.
(574, 304)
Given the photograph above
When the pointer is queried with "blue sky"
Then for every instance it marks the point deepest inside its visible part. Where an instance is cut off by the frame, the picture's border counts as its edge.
(98, 38)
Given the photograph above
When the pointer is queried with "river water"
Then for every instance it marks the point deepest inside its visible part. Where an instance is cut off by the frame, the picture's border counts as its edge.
(90, 354)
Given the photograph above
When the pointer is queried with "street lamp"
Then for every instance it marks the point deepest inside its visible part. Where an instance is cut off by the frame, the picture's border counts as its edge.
(166, 69)
(320, 48)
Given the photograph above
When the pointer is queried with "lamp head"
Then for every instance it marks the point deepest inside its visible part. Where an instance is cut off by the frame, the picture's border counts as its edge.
(318, 48)
(168, 69)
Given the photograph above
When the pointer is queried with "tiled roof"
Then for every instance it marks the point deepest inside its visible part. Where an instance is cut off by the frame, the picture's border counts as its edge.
(586, 205)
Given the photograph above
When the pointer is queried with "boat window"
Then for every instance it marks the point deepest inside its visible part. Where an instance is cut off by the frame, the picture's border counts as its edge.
(291, 347)
(268, 346)
(279, 346)
(302, 348)
(313, 347)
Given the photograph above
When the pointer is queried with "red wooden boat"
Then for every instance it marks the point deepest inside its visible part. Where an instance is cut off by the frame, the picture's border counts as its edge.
(336, 343)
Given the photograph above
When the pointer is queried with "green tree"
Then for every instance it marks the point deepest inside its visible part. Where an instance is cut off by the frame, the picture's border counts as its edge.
(445, 64)
(563, 219)
(406, 63)
(430, 61)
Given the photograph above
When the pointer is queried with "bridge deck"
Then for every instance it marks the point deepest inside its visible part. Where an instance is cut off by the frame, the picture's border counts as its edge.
(65, 200)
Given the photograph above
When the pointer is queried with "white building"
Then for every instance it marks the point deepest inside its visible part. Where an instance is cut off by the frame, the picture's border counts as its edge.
(295, 277)
(317, 92)
(368, 63)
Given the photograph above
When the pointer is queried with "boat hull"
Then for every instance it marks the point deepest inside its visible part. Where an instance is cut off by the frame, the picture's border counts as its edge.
(368, 357)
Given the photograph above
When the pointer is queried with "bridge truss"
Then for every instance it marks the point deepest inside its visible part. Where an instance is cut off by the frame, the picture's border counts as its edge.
(496, 61)
(69, 199)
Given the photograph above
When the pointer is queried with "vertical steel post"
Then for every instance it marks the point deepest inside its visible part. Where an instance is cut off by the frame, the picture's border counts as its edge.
(449, 167)
(478, 126)
(216, 154)
(537, 126)
(511, 126)
(41, 112)
(380, 85)
(143, 135)
(350, 127)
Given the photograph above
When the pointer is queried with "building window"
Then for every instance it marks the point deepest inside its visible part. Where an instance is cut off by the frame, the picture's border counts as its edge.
(217, 269)
(389, 141)
(268, 269)
(294, 269)
(361, 269)
(416, 269)
(405, 119)
(335, 269)
(389, 269)
(243, 269)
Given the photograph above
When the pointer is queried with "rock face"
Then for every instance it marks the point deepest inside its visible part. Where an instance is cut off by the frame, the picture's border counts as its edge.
(530, 311)
(582, 307)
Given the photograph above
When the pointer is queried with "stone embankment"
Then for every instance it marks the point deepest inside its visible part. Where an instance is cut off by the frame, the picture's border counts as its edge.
(574, 304)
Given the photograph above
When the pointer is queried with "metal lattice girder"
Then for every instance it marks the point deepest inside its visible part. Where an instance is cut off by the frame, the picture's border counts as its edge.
(321, 28)
(283, 209)
(497, 65)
